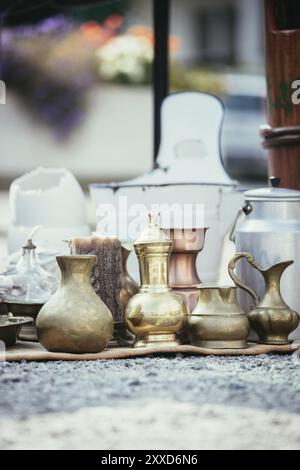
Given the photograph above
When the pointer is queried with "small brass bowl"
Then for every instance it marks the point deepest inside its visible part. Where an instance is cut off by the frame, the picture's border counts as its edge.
(29, 310)
(10, 327)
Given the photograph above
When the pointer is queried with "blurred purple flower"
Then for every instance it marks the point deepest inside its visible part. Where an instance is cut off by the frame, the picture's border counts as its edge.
(53, 86)
(53, 25)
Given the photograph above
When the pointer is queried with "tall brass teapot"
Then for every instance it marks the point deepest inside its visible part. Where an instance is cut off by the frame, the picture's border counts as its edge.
(270, 316)
(155, 315)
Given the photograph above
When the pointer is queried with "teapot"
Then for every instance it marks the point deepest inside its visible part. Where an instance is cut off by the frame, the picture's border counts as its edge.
(270, 317)
(155, 315)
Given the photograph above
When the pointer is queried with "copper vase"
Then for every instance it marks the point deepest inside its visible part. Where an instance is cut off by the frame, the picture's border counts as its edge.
(184, 279)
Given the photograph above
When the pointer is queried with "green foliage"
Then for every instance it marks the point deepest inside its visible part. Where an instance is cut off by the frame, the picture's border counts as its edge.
(195, 79)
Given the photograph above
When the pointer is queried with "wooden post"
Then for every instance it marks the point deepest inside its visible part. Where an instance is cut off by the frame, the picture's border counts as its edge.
(282, 138)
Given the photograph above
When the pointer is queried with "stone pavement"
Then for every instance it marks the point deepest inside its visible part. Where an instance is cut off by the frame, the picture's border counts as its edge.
(152, 403)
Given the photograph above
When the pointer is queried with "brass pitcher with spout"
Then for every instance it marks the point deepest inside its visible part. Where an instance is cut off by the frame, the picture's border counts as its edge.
(270, 317)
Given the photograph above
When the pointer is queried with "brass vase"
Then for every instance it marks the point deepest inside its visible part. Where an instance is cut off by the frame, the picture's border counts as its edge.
(184, 279)
(75, 320)
(156, 315)
(129, 286)
(271, 318)
(218, 321)
(123, 337)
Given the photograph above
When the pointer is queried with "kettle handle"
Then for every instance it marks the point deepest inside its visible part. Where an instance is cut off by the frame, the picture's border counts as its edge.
(246, 210)
(236, 280)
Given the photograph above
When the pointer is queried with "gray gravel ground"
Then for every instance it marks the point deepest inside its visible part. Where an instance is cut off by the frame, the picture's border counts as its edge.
(155, 402)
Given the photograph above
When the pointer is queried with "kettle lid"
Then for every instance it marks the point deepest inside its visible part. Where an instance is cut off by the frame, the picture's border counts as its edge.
(272, 193)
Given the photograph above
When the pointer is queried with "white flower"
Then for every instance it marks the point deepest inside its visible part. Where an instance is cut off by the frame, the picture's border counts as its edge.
(126, 55)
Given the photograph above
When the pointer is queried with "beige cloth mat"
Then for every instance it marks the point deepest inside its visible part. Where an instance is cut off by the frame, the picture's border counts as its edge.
(28, 351)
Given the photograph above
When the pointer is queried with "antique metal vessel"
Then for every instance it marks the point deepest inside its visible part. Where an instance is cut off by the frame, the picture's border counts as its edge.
(156, 315)
(10, 327)
(75, 319)
(270, 316)
(30, 311)
(184, 279)
(123, 337)
(269, 228)
(218, 321)
(129, 286)
(107, 279)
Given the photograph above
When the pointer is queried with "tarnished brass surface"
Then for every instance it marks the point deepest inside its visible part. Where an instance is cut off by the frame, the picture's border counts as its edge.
(156, 314)
(10, 327)
(121, 336)
(270, 316)
(129, 286)
(218, 321)
(75, 319)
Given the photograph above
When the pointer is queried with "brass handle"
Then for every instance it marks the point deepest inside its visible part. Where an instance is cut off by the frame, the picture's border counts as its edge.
(236, 280)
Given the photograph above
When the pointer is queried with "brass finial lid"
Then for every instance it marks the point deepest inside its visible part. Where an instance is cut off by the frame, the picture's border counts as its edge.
(152, 233)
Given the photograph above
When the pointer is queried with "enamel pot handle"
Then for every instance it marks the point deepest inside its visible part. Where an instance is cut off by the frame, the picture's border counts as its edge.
(236, 280)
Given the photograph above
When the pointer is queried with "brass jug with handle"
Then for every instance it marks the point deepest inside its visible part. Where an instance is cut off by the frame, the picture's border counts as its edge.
(270, 317)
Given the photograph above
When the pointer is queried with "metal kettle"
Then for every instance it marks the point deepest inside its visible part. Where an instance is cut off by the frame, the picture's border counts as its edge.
(268, 226)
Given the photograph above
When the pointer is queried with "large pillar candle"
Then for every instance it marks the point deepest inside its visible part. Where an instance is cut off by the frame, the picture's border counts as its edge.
(107, 271)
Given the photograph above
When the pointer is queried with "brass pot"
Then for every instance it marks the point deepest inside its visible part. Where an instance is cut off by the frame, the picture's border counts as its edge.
(123, 337)
(129, 286)
(75, 319)
(218, 322)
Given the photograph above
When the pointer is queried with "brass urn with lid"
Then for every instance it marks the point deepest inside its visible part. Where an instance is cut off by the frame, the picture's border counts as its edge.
(156, 315)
